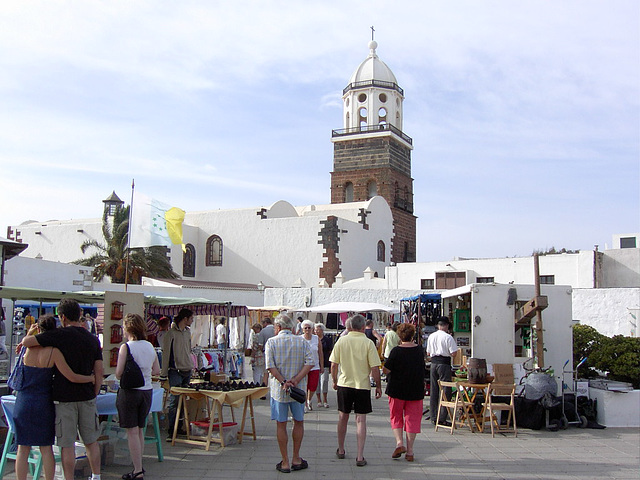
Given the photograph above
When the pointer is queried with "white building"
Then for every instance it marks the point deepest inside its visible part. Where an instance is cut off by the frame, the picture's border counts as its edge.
(280, 245)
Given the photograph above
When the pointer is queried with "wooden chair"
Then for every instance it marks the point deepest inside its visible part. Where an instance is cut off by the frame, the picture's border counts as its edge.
(491, 407)
(457, 408)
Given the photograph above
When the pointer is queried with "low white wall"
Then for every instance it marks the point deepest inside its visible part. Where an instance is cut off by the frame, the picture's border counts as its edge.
(617, 409)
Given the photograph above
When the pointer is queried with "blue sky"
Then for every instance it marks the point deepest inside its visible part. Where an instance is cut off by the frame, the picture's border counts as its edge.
(525, 115)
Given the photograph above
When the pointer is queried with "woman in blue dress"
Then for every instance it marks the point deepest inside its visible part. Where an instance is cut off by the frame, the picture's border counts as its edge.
(34, 413)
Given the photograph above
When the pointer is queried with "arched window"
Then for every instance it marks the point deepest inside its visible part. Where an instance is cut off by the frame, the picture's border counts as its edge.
(372, 189)
(348, 192)
(362, 112)
(214, 251)
(189, 261)
(381, 251)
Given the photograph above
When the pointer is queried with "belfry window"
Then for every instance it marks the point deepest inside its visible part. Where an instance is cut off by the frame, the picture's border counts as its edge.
(382, 116)
(372, 189)
(214, 251)
(348, 192)
(362, 112)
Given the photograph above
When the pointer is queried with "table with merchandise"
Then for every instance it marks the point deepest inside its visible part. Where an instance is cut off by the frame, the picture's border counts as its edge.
(215, 397)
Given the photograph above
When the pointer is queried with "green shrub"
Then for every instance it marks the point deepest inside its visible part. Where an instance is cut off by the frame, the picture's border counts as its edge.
(619, 356)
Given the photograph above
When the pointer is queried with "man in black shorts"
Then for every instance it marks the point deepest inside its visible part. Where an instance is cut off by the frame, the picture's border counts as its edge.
(75, 402)
(358, 358)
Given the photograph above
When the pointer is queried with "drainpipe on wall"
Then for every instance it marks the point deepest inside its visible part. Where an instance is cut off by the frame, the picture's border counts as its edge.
(595, 266)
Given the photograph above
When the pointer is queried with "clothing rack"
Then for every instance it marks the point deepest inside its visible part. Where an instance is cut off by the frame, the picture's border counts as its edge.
(214, 359)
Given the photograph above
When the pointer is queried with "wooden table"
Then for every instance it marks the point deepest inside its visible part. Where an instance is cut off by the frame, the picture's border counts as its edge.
(215, 400)
(469, 392)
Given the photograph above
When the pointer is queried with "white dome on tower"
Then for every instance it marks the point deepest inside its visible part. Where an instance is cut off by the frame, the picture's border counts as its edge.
(372, 68)
(373, 99)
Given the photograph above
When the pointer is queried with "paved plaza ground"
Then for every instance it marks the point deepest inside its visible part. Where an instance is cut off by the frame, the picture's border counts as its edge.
(576, 454)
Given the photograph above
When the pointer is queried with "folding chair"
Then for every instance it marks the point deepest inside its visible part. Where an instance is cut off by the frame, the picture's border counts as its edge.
(457, 408)
(491, 406)
(35, 459)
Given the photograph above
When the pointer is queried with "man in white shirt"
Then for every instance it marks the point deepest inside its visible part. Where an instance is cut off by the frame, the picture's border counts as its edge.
(221, 335)
(440, 347)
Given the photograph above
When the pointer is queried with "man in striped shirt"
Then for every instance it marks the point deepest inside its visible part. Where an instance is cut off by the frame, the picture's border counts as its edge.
(288, 359)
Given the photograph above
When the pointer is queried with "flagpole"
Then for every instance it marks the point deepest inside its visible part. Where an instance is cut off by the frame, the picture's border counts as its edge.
(126, 272)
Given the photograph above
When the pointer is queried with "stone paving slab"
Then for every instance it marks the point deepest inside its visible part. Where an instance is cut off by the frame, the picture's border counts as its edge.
(572, 454)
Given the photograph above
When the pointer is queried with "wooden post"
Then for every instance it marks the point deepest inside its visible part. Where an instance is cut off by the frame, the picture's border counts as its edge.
(539, 346)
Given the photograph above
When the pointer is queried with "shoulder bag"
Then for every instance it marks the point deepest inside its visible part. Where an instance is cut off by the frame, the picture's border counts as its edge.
(16, 379)
(132, 376)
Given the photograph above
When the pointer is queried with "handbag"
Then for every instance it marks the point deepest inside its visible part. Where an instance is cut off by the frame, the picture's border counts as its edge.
(16, 379)
(132, 375)
(297, 394)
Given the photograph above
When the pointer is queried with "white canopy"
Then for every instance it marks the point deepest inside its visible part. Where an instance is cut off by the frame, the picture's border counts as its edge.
(341, 307)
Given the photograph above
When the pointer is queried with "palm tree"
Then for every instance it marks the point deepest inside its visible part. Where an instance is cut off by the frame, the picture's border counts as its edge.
(110, 260)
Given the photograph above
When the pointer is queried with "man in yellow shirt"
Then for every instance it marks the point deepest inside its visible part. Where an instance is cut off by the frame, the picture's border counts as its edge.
(29, 319)
(357, 358)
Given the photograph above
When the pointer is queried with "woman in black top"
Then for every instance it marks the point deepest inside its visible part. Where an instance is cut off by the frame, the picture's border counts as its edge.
(405, 387)
(327, 347)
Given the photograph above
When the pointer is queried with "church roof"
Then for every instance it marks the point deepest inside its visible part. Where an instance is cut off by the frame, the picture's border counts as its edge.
(372, 68)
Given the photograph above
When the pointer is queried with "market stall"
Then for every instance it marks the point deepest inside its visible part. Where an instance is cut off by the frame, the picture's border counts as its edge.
(256, 314)
(151, 304)
(336, 313)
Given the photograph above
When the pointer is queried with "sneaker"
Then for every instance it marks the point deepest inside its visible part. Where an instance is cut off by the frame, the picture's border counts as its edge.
(326, 405)
(319, 404)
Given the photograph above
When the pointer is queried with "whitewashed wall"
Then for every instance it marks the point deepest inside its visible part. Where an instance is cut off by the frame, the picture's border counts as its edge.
(33, 273)
(284, 247)
(59, 241)
(621, 268)
(277, 250)
(575, 269)
(611, 311)
(311, 297)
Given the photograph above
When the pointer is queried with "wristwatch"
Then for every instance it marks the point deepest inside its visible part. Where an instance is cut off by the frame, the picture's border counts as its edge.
(282, 383)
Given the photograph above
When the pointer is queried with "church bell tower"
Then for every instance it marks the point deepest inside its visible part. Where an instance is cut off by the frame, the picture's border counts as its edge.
(371, 154)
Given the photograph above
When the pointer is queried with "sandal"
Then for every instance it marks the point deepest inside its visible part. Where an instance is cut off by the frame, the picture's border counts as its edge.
(361, 463)
(300, 466)
(397, 453)
(341, 456)
(283, 470)
(132, 476)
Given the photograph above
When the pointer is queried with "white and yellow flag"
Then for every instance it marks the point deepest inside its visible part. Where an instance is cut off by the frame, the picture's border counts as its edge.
(154, 223)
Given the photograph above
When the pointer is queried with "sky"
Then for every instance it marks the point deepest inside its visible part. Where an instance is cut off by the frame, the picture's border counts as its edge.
(525, 116)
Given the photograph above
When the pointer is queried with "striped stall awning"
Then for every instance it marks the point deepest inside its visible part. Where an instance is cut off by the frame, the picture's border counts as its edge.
(221, 310)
